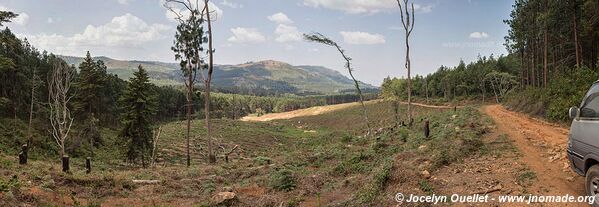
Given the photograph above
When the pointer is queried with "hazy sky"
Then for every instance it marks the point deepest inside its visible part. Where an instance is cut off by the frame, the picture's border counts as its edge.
(251, 30)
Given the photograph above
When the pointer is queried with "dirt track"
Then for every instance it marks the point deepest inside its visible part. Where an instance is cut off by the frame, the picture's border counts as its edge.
(543, 145)
(302, 112)
(321, 110)
(543, 148)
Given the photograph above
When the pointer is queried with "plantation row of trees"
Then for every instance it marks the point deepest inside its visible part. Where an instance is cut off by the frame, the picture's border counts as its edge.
(484, 78)
(553, 37)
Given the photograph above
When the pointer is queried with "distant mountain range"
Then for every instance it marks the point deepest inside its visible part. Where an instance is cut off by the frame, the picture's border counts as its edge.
(269, 75)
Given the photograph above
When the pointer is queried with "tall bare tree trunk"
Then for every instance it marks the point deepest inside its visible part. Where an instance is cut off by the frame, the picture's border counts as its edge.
(522, 68)
(534, 66)
(576, 45)
(189, 113)
(409, 67)
(545, 58)
(426, 90)
(211, 156)
(29, 135)
(408, 24)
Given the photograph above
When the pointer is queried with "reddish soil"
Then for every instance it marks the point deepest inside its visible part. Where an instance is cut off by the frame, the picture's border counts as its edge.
(543, 148)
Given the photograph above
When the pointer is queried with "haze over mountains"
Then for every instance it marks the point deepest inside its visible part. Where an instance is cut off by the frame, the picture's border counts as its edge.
(268, 75)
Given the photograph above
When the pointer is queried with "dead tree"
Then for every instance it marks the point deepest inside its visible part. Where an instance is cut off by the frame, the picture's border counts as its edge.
(155, 142)
(319, 38)
(408, 24)
(34, 80)
(59, 85)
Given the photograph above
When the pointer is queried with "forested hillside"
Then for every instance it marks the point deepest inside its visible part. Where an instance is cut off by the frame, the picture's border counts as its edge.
(267, 77)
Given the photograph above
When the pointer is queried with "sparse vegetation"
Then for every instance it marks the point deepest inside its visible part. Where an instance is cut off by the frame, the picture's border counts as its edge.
(284, 160)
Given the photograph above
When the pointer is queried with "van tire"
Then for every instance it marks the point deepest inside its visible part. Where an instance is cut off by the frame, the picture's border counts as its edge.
(592, 183)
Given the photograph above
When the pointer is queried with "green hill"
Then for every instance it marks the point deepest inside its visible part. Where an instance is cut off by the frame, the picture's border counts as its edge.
(268, 75)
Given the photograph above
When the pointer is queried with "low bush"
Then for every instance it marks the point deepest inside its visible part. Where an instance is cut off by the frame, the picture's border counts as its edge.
(282, 180)
(563, 91)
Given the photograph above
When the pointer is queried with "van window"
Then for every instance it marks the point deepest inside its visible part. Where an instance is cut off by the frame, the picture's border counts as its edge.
(590, 108)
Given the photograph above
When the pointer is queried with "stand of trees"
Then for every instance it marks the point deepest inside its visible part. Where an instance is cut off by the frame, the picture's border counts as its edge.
(488, 76)
(557, 43)
(553, 37)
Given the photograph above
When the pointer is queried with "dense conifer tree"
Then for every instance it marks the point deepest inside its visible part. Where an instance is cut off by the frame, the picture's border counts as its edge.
(139, 107)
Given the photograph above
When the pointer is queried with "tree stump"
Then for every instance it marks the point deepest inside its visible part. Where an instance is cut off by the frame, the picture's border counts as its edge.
(426, 129)
(65, 163)
(88, 165)
(22, 159)
(23, 154)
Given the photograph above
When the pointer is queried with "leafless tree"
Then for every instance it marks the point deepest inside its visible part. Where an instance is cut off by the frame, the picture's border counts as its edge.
(319, 38)
(59, 84)
(156, 136)
(34, 85)
(408, 24)
(502, 83)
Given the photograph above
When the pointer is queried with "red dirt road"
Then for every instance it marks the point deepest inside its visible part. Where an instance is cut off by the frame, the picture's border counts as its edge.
(543, 148)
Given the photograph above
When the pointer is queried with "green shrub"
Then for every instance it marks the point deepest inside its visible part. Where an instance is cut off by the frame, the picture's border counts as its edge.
(426, 187)
(8, 185)
(563, 91)
(380, 176)
(526, 177)
(263, 160)
(282, 180)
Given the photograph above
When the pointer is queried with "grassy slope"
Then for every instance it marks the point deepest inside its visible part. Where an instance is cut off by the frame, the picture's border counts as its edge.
(309, 160)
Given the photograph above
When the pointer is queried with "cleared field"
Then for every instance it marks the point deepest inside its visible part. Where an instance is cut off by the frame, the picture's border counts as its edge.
(315, 160)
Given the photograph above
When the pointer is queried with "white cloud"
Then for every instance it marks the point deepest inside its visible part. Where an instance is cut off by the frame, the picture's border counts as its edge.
(280, 18)
(50, 20)
(363, 6)
(246, 35)
(214, 10)
(124, 2)
(362, 38)
(479, 35)
(125, 31)
(353, 6)
(423, 8)
(286, 33)
(22, 19)
(231, 4)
